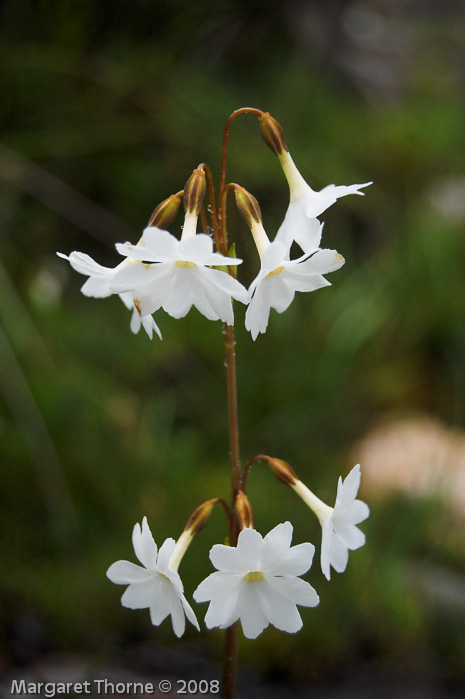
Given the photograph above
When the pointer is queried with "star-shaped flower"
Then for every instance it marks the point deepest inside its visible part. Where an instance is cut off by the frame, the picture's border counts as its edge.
(181, 277)
(98, 286)
(305, 205)
(279, 278)
(155, 585)
(257, 582)
(339, 531)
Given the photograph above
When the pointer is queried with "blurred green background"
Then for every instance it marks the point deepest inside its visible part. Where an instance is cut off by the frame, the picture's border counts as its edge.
(106, 108)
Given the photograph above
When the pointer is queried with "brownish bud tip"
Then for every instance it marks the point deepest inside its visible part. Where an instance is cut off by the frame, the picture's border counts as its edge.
(165, 213)
(244, 510)
(199, 517)
(283, 471)
(194, 191)
(272, 133)
(248, 206)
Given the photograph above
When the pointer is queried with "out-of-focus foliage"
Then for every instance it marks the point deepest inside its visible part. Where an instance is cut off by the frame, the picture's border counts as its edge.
(106, 108)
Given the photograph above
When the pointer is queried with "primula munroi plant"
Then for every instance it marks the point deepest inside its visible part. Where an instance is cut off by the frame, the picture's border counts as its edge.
(258, 579)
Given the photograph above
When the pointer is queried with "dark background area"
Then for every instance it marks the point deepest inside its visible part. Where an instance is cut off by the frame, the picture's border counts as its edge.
(106, 108)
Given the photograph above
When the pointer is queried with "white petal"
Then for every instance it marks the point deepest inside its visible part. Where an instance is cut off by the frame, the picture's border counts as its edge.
(297, 590)
(187, 289)
(258, 312)
(299, 227)
(228, 284)
(145, 547)
(322, 262)
(196, 248)
(281, 291)
(141, 594)
(296, 561)
(347, 490)
(250, 548)
(178, 618)
(253, 619)
(305, 281)
(152, 296)
(226, 558)
(338, 554)
(163, 246)
(326, 539)
(224, 611)
(149, 325)
(97, 287)
(84, 264)
(280, 537)
(215, 586)
(135, 253)
(351, 537)
(189, 612)
(133, 276)
(278, 608)
(164, 555)
(124, 573)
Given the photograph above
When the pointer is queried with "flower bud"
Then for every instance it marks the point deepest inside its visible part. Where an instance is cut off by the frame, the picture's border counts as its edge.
(244, 511)
(248, 206)
(165, 213)
(199, 517)
(272, 133)
(283, 471)
(194, 191)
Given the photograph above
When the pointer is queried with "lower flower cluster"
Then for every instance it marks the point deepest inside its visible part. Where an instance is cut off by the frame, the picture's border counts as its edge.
(257, 582)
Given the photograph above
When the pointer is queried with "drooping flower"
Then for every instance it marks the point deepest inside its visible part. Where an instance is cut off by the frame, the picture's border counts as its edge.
(339, 531)
(98, 286)
(179, 275)
(279, 277)
(305, 204)
(157, 585)
(257, 582)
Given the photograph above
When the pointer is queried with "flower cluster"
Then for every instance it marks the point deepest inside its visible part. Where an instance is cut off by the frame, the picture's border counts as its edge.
(257, 582)
(164, 272)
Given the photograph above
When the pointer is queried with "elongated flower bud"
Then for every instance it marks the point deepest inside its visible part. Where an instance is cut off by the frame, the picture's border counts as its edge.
(272, 133)
(248, 206)
(244, 511)
(199, 517)
(283, 471)
(164, 214)
(195, 523)
(194, 192)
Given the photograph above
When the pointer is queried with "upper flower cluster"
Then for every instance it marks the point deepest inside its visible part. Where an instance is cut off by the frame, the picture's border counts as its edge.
(162, 271)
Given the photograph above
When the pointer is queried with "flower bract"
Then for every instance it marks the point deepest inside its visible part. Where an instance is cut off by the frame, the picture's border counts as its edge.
(257, 582)
(154, 585)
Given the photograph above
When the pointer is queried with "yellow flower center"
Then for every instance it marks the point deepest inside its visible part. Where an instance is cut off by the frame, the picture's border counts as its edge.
(185, 263)
(278, 270)
(254, 575)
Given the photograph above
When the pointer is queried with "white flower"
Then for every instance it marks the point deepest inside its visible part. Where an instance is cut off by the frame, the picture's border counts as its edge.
(98, 286)
(181, 276)
(305, 205)
(156, 585)
(279, 278)
(257, 582)
(339, 531)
